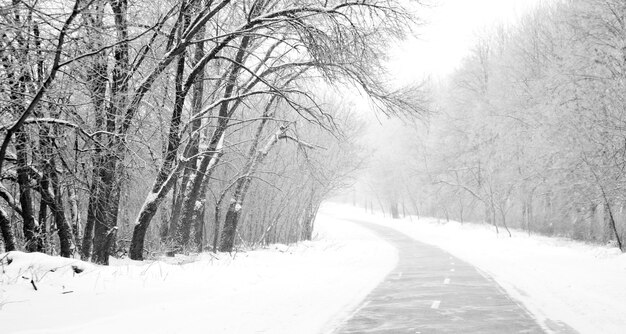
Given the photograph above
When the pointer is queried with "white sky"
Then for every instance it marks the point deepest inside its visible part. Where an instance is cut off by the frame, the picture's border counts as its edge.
(448, 34)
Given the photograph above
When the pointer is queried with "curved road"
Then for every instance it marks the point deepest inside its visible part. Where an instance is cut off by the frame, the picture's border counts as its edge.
(430, 291)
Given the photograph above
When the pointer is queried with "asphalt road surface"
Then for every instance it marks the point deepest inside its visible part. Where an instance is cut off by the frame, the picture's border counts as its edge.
(430, 291)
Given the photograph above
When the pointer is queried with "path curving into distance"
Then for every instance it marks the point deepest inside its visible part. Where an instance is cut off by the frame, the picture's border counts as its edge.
(430, 291)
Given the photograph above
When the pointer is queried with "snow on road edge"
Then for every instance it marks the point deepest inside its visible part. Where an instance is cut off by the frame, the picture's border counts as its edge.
(377, 256)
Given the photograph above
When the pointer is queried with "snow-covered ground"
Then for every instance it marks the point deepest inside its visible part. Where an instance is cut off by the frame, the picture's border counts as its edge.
(581, 285)
(307, 288)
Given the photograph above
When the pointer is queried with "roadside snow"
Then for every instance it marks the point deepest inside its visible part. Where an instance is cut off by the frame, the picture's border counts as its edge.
(305, 288)
(581, 285)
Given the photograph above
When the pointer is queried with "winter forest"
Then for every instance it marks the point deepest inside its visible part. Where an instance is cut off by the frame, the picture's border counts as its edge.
(142, 128)
(274, 166)
(528, 132)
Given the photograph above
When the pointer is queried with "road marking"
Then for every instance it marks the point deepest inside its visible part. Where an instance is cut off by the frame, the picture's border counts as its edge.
(400, 275)
(446, 281)
(452, 269)
(452, 263)
(435, 304)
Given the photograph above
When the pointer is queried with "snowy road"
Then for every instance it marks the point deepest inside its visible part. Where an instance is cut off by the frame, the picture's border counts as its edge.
(430, 291)
(313, 286)
(567, 286)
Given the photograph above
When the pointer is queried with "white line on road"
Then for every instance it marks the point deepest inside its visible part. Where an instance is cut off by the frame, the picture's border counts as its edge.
(446, 281)
(452, 269)
(435, 304)
(400, 275)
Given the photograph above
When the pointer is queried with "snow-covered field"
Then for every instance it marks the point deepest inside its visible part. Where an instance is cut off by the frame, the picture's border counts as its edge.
(306, 288)
(581, 285)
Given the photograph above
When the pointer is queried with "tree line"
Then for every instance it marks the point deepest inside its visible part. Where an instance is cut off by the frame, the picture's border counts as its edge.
(182, 125)
(530, 129)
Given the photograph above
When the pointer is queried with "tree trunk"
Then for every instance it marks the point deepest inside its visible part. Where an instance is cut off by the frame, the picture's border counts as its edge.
(393, 208)
(50, 189)
(199, 228)
(614, 226)
(592, 218)
(46, 154)
(147, 212)
(227, 241)
(530, 214)
(164, 230)
(107, 207)
(309, 217)
(240, 184)
(74, 212)
(8, 237)
(87, 241)
(43, 216)
(525, 215)
(208, 162)
(503, 216)
(168, 172)
(193, 202)
(54, 201)
(32, 232)
(491, 212)
(98, 74)
(64, 228)
(194, 144)
(403, 210)
(380, 203)
(94, 197)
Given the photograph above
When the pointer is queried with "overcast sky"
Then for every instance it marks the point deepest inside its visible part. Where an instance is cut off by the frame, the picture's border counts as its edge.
(448, 34)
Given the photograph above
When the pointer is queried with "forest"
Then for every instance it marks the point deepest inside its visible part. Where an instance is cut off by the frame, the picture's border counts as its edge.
(142, 129)
(145, 128)
(529, 132)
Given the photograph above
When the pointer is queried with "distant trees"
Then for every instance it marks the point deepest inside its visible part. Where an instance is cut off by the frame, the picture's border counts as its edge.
(531, 128)
(181, 126)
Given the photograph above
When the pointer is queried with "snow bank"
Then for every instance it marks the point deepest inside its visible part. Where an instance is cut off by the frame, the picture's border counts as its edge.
(558, 280)
(305, 288)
